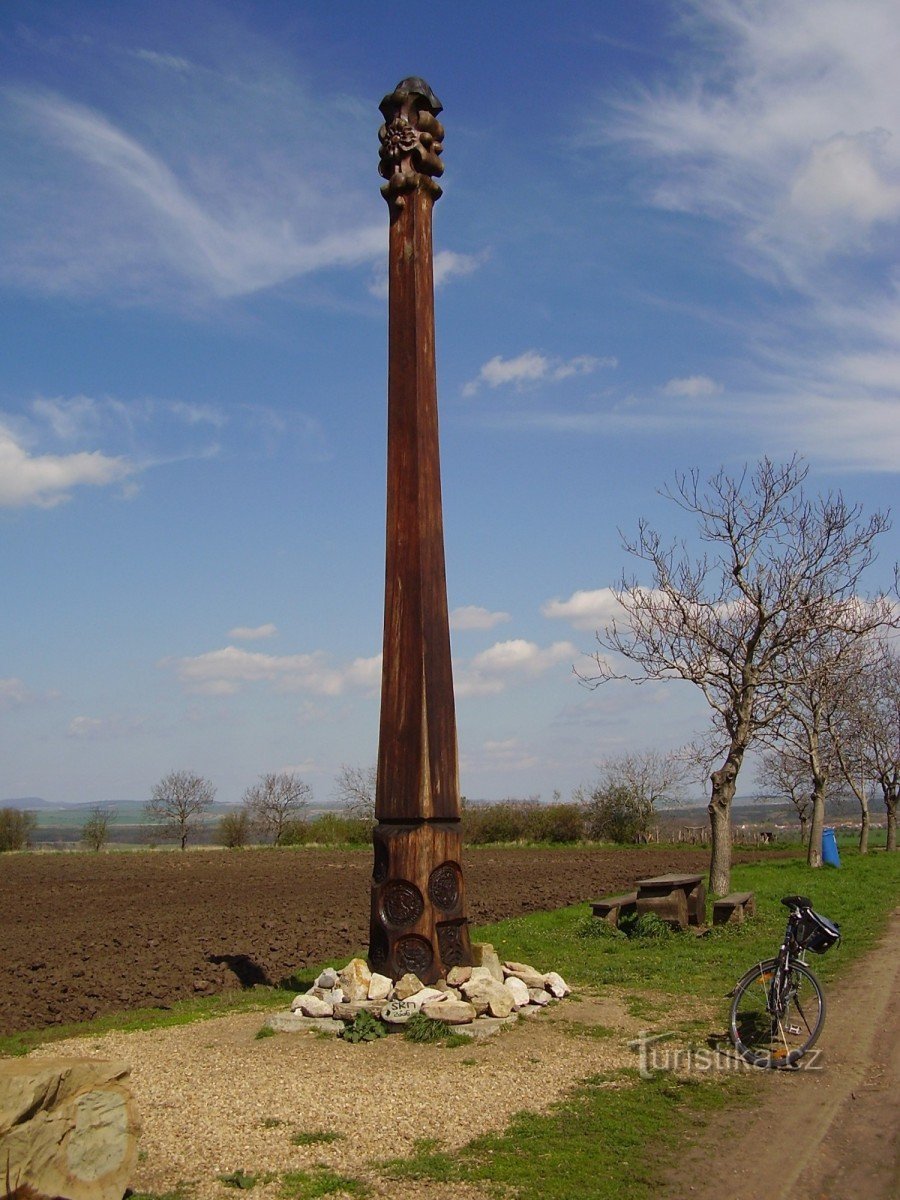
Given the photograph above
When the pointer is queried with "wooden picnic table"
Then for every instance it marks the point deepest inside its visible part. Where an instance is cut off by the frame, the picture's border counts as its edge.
(679, 900)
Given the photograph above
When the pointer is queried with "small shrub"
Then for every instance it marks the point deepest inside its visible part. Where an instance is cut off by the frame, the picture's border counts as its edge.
(242, 1181)
(16, 828)
(234, 829)
(266, 1031)
(593, 927)
(422, 1029)
(646, 926)
(363, 1028)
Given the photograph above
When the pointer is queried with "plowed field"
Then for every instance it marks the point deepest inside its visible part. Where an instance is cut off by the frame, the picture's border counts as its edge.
(86, 934)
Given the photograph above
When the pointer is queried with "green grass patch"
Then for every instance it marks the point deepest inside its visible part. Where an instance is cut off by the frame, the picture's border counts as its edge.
(244, 1182)
(315, 1137)
(858, 896)
(181, 1191)
(593, 1143)
(309, 1185)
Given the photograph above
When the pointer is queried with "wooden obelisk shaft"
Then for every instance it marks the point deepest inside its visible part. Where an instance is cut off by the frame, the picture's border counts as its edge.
(418, 919)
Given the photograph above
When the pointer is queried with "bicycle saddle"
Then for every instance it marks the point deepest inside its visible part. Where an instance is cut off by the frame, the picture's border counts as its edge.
(796, 902)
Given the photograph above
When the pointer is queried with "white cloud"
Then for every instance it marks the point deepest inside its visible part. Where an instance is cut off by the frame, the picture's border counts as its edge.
(783, 128)
(46, 480)
(225, 672)
(589, 610)
(532, 367)
(448, 264)
(251, 633)
(472, 616)
(693, 385)
(799, 135)
(493, 669)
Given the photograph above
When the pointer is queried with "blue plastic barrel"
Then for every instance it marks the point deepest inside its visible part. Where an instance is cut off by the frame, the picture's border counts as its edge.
(829, 848)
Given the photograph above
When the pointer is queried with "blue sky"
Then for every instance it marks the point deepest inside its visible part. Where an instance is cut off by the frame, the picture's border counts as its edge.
(668, 239)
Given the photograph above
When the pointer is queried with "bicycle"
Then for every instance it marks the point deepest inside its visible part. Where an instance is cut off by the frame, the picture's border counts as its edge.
(778, 1008)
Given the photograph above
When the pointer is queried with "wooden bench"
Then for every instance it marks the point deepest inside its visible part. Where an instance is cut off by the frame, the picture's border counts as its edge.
(610, 908)
(734, 908)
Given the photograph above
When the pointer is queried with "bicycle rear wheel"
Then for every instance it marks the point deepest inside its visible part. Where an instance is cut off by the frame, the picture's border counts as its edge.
(769, 1031)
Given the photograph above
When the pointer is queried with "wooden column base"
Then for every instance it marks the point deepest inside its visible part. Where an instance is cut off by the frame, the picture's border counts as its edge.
(418, 920)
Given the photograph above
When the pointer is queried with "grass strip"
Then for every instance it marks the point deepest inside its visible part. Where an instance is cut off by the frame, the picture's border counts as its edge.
(180, 1012)
(610, 1139)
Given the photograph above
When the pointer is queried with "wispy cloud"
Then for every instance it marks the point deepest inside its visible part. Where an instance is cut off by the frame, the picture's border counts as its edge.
(693, 385)
(472, 616)
(13, 693)
(126, 218)
(531, 368)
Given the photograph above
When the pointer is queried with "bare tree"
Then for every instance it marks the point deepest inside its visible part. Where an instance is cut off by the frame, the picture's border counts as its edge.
(275, 801)
(179, 804)
(649, 777)
(355, 788)
(786, 773)
(726, 620)
(850, 726)
(821, 680)
(95, 830)
(882, 743)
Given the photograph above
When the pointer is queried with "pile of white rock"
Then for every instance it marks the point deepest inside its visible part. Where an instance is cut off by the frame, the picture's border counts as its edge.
(476, 999)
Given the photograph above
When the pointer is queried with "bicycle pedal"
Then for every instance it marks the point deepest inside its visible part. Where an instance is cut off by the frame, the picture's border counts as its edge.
(794, 1029)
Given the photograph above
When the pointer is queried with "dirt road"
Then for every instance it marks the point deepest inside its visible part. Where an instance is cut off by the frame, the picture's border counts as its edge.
(829, 1134)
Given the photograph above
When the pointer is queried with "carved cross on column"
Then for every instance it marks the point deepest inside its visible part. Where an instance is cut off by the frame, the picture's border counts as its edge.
(418, 915)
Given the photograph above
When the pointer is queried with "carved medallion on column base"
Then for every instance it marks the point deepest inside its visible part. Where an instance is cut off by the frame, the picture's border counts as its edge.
(418, 918)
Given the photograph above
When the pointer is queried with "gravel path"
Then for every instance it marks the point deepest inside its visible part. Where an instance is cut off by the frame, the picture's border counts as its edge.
(213, 1098)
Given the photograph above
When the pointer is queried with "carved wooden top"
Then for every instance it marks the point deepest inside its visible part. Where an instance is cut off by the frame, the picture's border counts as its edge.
(411, 141)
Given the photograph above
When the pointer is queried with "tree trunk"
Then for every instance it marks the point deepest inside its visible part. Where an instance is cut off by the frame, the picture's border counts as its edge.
(890, 803)
(814, 851)
(804, 831)
(724, 782)
(864, 827)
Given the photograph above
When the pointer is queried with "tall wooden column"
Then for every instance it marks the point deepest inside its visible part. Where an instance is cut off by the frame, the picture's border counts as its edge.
(418, 915)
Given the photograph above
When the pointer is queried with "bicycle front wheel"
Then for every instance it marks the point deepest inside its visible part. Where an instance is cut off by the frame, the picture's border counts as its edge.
(775, 1026)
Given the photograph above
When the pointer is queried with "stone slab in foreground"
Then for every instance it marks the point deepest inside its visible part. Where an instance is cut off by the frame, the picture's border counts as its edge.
(68, 1127)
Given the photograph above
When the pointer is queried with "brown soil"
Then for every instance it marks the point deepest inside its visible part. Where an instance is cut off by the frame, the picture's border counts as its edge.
(828, 1133)
(87, 934)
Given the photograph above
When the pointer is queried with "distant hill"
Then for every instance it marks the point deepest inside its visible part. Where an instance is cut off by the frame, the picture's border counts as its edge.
(33, 804)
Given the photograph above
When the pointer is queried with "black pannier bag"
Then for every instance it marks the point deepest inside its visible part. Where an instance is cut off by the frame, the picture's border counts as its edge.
(817, 933)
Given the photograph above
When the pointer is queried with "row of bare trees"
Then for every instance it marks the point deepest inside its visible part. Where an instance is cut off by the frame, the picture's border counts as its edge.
(270, 809)
(771, 624)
